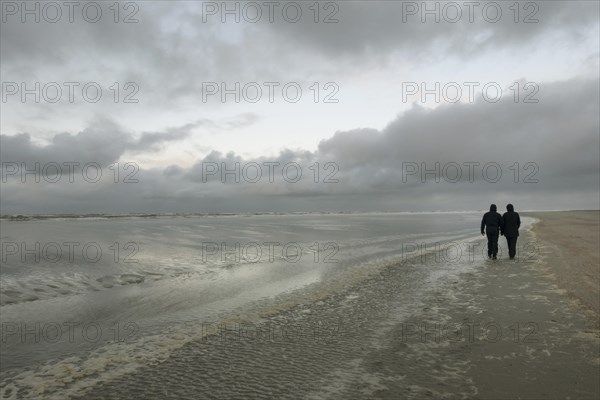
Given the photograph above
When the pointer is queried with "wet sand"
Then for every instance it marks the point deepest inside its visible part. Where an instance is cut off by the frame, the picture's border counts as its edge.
(572, 239)
(502, 329)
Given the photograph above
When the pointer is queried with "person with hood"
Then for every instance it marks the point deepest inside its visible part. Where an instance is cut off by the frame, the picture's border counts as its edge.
(492, 224)
(510, 229)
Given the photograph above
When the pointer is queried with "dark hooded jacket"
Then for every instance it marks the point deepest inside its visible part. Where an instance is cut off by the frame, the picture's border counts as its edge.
(512, 222)
(491, 222)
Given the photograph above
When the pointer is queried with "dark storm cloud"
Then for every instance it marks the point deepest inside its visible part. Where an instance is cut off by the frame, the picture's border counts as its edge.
(383, 27)
(556, 126)
(178, 50)
(559, 135)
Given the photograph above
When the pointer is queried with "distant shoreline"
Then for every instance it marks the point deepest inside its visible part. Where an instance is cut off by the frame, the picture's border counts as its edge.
(30, 217)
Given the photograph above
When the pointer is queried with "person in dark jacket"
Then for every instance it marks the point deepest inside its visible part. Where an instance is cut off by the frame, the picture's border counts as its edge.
(510, 229)
(492, 224)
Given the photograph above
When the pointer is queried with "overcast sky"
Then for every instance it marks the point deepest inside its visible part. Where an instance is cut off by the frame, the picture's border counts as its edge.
(361, 131)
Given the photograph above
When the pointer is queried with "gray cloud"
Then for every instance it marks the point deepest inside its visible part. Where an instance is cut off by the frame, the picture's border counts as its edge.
(170, 52)
(380, 27)
(178, 51)
(104, 142)
(558, 134)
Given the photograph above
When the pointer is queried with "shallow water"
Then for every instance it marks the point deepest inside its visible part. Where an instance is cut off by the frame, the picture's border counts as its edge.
(70, 323)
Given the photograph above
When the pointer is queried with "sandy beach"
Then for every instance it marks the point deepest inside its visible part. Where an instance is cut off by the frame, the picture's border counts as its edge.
(505, 329)
(572, 240)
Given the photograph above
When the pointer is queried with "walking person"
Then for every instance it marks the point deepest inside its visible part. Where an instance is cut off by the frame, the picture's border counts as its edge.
(491, 225)
(510, 229)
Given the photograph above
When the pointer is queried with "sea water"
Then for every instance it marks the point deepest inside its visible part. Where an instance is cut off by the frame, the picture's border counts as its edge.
(87, 298)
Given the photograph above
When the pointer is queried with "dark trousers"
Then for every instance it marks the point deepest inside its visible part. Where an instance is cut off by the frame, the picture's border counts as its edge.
(512, 246)
(492, 244)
